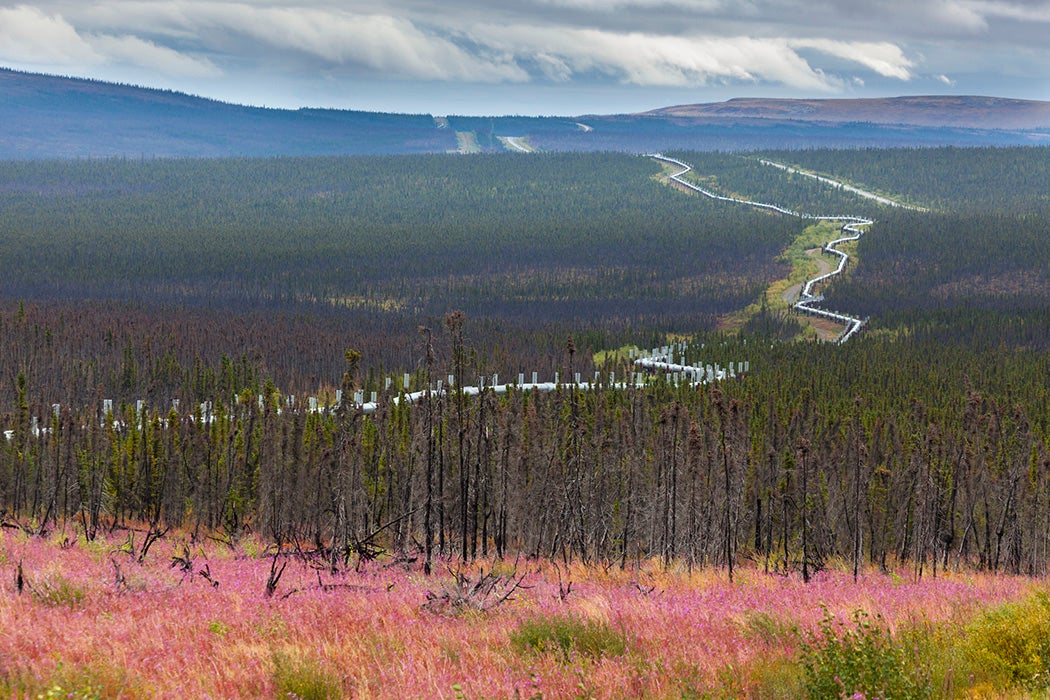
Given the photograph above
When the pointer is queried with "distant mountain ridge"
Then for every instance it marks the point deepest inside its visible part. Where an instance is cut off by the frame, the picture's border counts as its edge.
(958, 111)
(52, 117)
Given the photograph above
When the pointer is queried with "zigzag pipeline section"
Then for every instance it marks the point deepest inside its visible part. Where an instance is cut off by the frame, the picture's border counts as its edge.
(808, 301)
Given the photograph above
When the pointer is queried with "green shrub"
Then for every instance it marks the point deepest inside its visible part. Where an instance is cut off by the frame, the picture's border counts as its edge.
(304, 678)
(55, 589)
(863, 659)
(57, 691)
(1010, 643)
(566, 635)
(94, 680)
(767, 628)
(773, 677)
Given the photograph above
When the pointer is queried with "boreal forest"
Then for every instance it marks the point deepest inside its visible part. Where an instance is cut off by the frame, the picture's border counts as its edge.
(180, 341)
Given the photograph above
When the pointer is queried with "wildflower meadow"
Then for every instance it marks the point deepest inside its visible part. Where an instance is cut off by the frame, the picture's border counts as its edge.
(111, 618)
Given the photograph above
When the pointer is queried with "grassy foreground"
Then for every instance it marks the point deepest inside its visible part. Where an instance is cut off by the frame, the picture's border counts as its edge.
(90, 620)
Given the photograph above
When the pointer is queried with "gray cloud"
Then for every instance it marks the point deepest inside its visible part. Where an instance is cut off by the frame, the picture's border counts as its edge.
(815, 46)
(331, 37)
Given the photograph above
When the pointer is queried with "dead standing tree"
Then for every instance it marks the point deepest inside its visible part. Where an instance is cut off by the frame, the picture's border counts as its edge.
(454, 325)
(804, 447)
(730, 432)
(428, 509)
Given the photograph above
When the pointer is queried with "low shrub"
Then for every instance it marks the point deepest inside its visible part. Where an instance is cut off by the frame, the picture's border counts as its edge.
(96, 679)
(566, 635)
(861, 659)
(768, 628)
(57, 692)
(1010, 643)
(55, 589)
(773, 677)
(304, 678)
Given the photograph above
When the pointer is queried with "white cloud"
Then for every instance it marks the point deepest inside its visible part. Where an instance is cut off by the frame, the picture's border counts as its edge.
(383, 43)
(945, 79)
(28, 35)
(553, 67)
(650, 60)
(883, 58)
(145, 54)
(942, 17)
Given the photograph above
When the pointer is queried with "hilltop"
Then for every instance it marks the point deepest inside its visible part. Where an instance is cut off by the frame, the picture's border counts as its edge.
(965, 112)
(54, 117)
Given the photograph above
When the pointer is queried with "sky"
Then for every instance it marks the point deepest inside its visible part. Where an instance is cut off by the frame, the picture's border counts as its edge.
(536, 57)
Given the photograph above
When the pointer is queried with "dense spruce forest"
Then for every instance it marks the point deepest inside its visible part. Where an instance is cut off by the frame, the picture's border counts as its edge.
(290, 261)
(249, 285)
(980, 254)
(972, 180)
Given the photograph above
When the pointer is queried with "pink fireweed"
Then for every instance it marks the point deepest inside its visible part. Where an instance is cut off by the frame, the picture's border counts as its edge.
(195, 620)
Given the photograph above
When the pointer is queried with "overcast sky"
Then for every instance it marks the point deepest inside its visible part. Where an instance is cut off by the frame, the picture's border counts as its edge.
(565, 57)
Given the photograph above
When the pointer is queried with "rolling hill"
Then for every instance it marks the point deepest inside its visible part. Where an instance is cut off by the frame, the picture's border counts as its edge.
(963, 112)
(51, 117)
